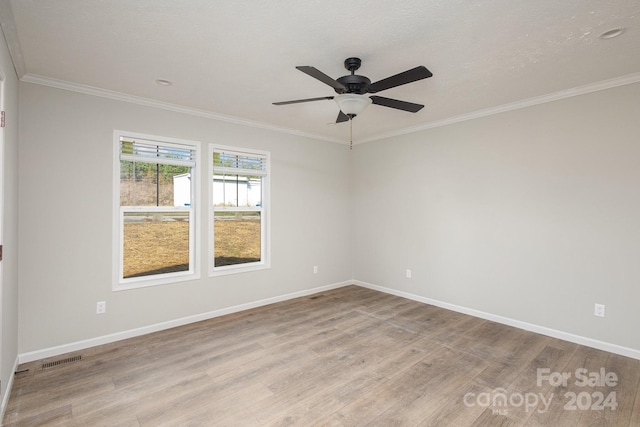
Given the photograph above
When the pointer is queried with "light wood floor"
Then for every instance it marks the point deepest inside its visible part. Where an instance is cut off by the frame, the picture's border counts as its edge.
(350, 356)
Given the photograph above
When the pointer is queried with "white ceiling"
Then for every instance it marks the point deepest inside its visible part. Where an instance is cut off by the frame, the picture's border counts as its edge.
(232, 59)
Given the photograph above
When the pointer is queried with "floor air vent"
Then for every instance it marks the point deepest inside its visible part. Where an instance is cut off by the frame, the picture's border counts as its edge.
(61, 362)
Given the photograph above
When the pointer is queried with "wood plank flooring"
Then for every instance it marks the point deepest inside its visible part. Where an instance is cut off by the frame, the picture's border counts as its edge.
(347, 357)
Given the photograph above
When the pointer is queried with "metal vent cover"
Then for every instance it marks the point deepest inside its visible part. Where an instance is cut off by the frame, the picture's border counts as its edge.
(61, 362)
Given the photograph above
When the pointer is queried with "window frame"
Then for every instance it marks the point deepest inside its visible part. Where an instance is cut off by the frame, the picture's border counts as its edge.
(119, 282)
(265, 214)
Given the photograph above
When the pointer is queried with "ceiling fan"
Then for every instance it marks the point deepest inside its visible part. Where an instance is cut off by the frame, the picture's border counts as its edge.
(351, 89)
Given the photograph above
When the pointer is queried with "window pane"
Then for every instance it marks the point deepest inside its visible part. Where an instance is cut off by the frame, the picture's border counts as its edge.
(236, 238)
(222, 160)
(237, 191)
(148, 151)
(153, 184)
(155, 243)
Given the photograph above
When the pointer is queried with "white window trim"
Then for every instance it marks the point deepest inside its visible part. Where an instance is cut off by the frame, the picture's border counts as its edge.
(120, 284)
(265, 227)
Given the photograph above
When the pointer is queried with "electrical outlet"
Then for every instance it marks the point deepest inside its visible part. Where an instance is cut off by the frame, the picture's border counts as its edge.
(599, 310)
(101, 307)
(408, 274)
(315, 269)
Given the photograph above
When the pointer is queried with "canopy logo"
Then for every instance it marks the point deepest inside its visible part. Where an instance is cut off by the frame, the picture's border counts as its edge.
(500, 400)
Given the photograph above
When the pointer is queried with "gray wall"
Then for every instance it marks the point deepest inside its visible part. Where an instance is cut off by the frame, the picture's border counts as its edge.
(9, 268)
(66, 170)
(531, 214)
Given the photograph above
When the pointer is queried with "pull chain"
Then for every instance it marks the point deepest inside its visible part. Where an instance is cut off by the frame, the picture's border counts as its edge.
(350, 134)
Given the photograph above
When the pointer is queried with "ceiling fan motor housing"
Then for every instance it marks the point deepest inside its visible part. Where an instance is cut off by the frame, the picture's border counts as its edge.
(354, 84)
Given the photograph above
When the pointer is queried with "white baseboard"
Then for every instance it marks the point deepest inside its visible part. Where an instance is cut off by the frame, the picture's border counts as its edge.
(7, 391)
(566, 336)
(107, 339)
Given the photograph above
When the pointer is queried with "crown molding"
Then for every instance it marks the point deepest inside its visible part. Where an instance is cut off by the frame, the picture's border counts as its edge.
(119, 96)
(543, 99)
(147, 102)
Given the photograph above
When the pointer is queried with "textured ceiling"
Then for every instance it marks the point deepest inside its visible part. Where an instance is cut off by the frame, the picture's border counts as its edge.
(234, 58)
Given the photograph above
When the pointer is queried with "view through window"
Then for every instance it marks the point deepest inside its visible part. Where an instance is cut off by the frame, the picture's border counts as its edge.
(156, 209)
(238, 188)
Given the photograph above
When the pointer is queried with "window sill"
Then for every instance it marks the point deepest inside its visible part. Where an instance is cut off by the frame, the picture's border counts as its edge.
(240, 268)
(144, 282)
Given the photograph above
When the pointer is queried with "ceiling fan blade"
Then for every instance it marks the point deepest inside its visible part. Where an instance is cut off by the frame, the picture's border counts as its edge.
(297, 101)
(394, 103)
(342, 117)
(317, 74)
(408, 76)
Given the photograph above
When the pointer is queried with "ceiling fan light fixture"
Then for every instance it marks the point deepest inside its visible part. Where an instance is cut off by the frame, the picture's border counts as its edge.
(352, 104)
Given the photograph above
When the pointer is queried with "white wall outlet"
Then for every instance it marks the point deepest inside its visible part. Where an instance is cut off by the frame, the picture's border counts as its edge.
(408, 274)
(315, 269)
(101, 307)
(599, 310)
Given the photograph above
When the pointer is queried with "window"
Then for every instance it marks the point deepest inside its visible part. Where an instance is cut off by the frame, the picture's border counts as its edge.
(156, 212)
(239, 209)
